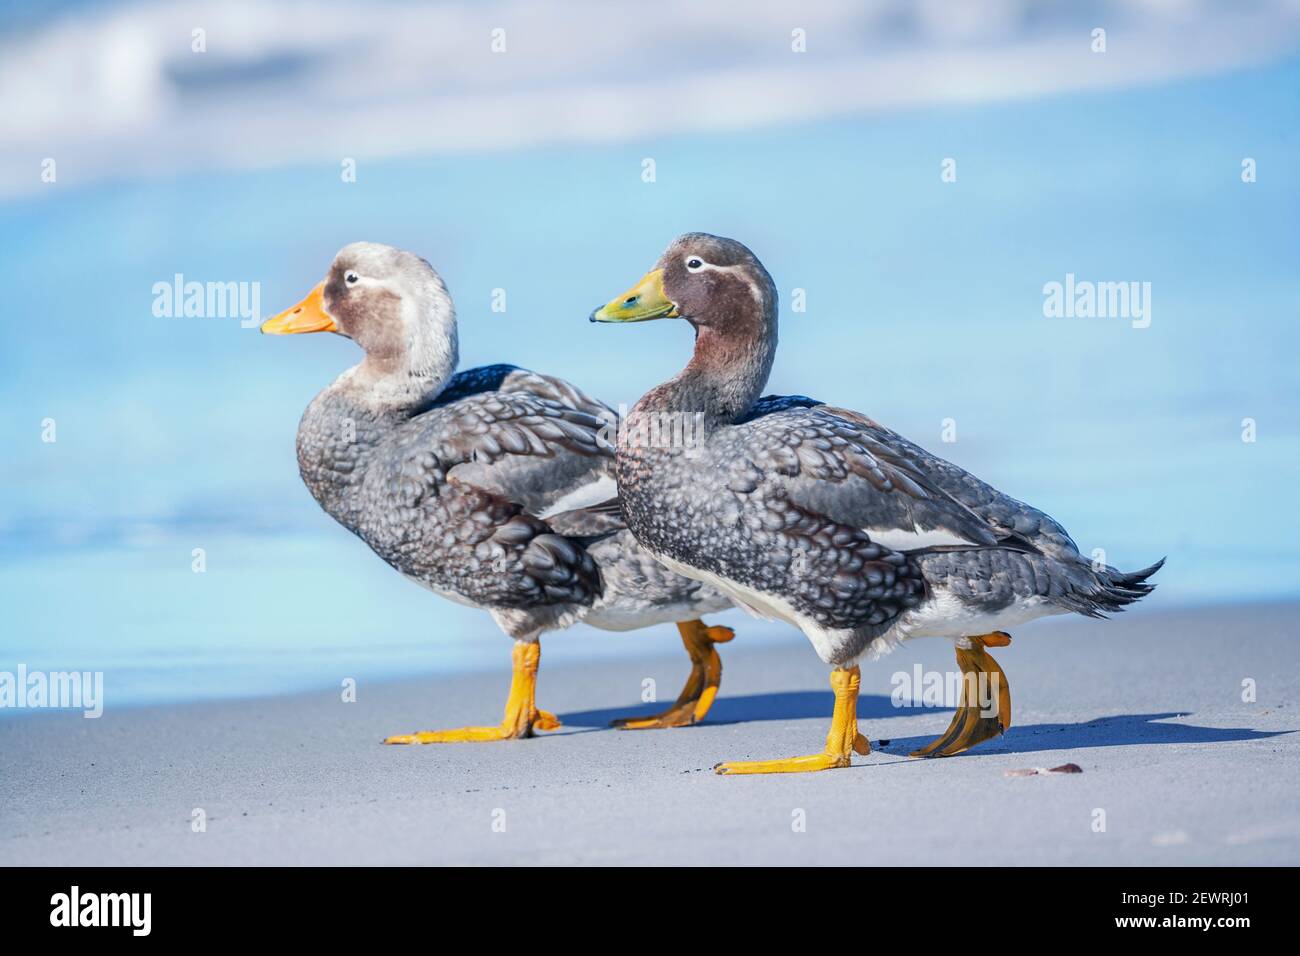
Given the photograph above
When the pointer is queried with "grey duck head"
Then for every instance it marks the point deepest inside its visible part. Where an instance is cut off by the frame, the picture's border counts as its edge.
(395, 306)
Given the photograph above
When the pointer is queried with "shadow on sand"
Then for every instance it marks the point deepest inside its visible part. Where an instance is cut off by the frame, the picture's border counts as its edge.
(1120, 730)
(786, 705)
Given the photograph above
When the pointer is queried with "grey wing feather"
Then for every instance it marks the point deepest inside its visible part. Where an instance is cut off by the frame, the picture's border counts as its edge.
(828, 462)
(521, 446)
(1007, 516)
(639, 590)
(559, 391)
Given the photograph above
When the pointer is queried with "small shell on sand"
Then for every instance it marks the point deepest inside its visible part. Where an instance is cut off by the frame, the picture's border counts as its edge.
(1032, 771)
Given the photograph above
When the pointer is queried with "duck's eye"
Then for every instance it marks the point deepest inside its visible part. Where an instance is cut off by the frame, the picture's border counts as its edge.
(352, 278)
(694, 264)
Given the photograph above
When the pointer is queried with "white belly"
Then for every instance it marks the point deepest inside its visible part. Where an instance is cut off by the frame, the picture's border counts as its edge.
(624, 614)
(944, 615)
(829, 643)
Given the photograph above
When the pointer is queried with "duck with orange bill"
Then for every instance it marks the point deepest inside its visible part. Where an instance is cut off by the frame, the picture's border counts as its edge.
(492, 487)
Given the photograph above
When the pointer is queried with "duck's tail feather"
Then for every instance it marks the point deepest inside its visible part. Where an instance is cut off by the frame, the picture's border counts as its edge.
(1112, 591)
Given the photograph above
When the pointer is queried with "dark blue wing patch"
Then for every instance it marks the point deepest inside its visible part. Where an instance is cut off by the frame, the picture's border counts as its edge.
(777, 403)
(474, 381)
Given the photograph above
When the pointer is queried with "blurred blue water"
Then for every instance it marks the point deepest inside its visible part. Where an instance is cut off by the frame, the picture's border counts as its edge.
(924, 303)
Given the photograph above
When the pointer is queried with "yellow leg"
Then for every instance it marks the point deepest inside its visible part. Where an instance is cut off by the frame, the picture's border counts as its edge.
(841, 743)
(701, 686)
(521, 717)
(982, 677)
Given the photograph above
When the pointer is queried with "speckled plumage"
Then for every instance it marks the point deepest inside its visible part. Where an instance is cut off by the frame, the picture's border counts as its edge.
(395, 487)
(451, 497)
(451, 479)
(728, 509)
(818, 515)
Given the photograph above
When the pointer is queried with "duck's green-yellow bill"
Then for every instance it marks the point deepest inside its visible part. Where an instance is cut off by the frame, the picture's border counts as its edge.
(646, 300)
(309, 315)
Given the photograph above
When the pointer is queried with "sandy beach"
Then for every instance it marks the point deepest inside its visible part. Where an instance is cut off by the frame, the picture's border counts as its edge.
(1149, 706)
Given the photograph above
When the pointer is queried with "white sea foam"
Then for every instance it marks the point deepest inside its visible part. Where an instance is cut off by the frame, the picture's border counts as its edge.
(120, 91)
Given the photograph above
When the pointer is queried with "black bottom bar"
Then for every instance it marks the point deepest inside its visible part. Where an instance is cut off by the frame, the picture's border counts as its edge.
(215, 905)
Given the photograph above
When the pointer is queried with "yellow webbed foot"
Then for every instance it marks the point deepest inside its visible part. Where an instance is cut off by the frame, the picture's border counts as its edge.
(455, 736)
(521, 717)
(719, 633)
(510, 729)
(788, 765)
(701, 686)
(678, 715)
(545, 720)
(983, 683)
(841, 743)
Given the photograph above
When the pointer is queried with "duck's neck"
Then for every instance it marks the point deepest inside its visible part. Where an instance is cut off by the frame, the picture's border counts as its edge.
(345, 422)
(403, 382)
(725, 375)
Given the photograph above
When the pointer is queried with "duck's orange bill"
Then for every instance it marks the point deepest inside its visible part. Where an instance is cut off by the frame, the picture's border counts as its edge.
(309, 315)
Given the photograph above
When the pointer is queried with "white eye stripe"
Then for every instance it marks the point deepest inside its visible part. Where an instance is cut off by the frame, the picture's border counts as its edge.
(701, 266)
(734, 270)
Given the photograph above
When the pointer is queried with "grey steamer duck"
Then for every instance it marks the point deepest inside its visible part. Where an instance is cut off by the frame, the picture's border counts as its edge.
(820, 517)
(474, 484)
